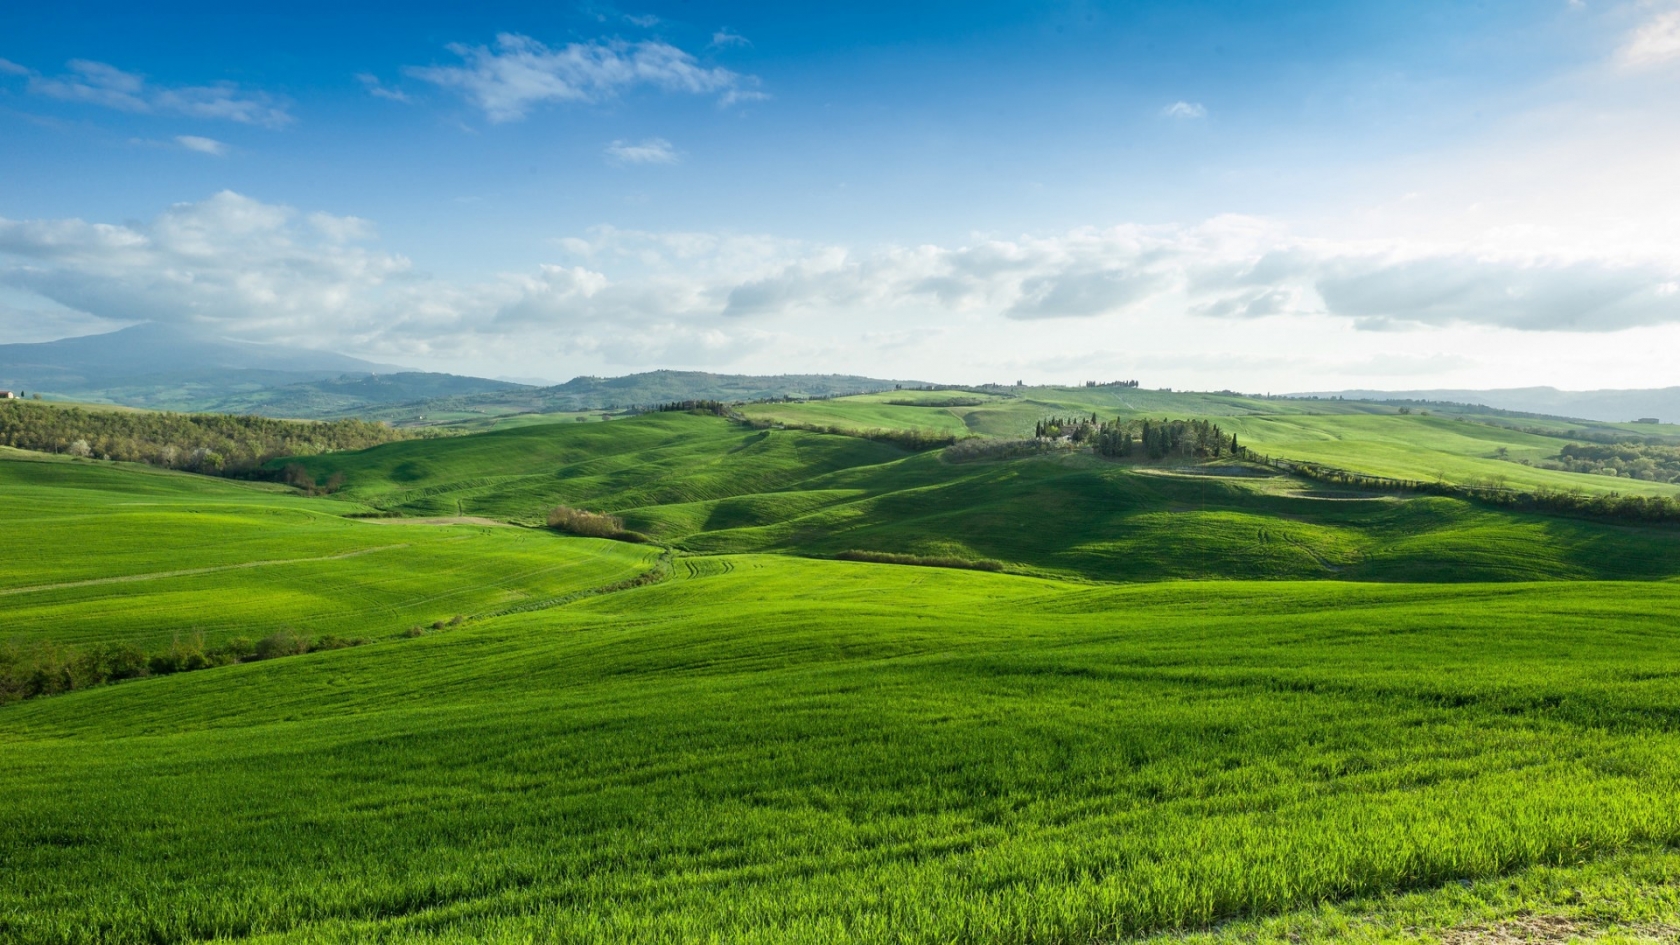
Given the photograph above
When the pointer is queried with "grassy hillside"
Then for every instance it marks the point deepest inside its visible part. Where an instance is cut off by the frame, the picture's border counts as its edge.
(1455, 444)
(774, 750)
(706, 485)
(100, 552)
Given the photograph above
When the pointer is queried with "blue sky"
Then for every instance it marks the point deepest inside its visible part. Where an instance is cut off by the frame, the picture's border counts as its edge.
(1250, 195)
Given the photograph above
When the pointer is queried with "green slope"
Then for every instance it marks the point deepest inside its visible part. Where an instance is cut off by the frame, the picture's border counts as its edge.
(802, 751)
(706, 485)
(1451, 443)
(101, 552)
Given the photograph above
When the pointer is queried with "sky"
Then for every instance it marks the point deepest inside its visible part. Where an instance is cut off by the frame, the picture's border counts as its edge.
(1213, 195)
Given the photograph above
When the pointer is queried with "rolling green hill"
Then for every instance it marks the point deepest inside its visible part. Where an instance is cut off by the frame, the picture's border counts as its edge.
(1153, 728)
(100, 552)
(1450, 443)
(707, 485)
(775, 750)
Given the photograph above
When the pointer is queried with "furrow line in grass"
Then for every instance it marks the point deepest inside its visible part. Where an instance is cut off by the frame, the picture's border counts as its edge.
(189, 572)
(659, 572)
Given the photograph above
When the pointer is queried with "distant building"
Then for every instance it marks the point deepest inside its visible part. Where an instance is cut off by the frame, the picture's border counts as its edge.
(1647, 420)
(7, 395)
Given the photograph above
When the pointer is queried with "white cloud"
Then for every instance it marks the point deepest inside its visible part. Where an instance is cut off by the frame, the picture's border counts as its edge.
(520, 72)
(378, 89)
(9, 67)
(98, 83)
(1656, 40)
(1185, 110)
(208, 146)
(644, 20)
(637, 300)
(726, 37)
(651, 151)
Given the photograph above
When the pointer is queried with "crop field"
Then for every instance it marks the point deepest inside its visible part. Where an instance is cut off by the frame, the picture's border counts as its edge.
(706, 485)
(822, 751)
(1198, 703)
(101, 552)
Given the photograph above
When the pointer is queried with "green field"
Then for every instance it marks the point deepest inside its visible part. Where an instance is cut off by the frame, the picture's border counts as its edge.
(102, 552)
(1210, 703)
(706, 485)
(766, 749)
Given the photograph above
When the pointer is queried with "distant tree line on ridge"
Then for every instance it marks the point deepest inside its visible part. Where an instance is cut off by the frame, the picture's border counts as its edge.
(1155, 439)
(219, 444)
(1630, 460)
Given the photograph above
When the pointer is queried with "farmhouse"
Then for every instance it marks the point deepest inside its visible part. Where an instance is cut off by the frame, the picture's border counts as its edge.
(7, 395)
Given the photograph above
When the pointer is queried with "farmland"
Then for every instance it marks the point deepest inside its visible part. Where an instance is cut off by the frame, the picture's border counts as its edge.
(1213, 703)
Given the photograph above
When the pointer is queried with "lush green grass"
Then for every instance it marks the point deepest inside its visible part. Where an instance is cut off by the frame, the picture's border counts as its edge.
(518, 474)
(706, 485)
(102, 552)
(1458, 445)
(779, 750)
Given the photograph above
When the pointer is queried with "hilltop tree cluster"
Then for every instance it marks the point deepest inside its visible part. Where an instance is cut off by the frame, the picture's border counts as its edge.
(1155, 439)
(207, 443)
(1650, 462)
(716, 408)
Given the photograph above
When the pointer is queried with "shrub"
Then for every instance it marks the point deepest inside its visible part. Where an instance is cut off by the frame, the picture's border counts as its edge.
(588, 524)
(280, 643)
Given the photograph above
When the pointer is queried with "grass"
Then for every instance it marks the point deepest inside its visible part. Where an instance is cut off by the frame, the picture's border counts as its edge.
(102, 552)
(1456, 444)
(706, 485)
(1433, 736)
(816, 751)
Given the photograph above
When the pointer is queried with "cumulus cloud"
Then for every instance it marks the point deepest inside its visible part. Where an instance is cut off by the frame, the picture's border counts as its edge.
(1657, 40)
(1185, 110)
(260, 271)
(650, 151)
(98, 83)
(519, 72)
(208, 146)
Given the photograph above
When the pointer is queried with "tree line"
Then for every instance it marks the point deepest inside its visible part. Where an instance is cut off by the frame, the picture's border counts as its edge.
(28, 671)
(219, 444)
(1155, 439)
(1630, 460)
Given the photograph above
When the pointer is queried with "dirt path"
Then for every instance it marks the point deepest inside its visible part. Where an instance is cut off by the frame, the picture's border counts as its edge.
(186, 572)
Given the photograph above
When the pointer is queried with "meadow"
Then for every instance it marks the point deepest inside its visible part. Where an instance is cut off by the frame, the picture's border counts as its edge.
(1198, 704)
(102, 552)
(769, 749)
(706, 485)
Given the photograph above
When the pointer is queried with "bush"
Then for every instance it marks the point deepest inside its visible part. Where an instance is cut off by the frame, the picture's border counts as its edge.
(591, 524)
(280, 643)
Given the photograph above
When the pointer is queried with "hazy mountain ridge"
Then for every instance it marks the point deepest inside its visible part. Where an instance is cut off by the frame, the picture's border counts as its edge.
(163, 368)
(1609, 405)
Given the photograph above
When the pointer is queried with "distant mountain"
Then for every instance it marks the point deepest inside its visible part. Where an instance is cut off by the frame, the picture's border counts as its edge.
(351, 395)
(1608, 405)
(148, 355)
(163, 368)
(642, 390)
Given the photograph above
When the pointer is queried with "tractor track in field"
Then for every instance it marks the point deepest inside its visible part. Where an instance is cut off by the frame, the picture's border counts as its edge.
(187, 572)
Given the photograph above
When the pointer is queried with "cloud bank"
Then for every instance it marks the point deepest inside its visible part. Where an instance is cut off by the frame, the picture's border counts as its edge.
(259, 271)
